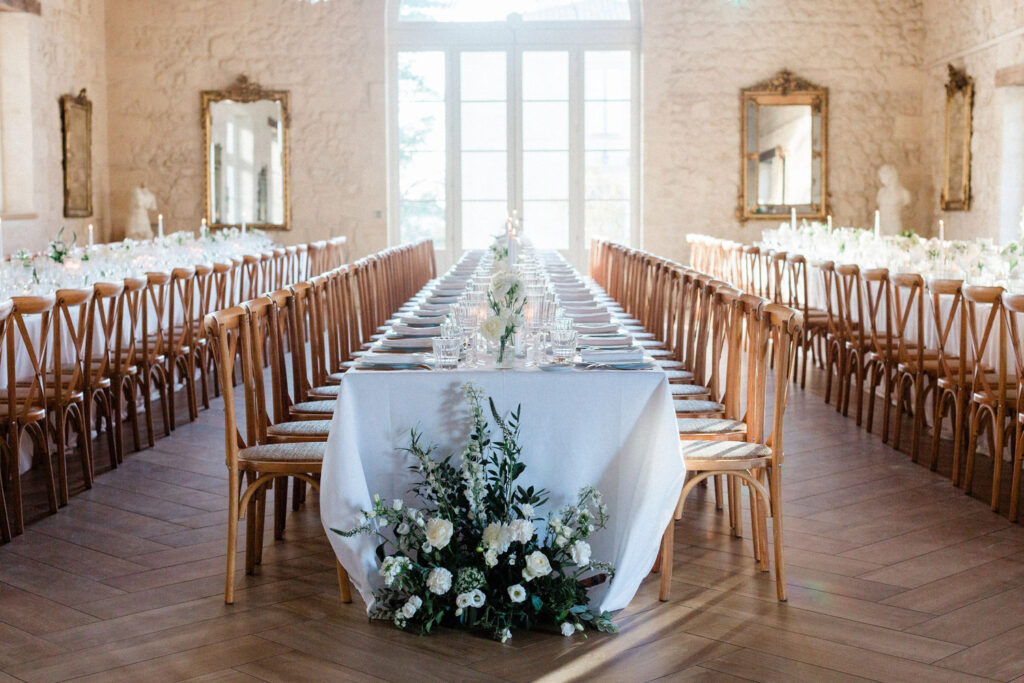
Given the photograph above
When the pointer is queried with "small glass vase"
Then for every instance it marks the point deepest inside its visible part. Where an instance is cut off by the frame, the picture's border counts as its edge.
(505, 358)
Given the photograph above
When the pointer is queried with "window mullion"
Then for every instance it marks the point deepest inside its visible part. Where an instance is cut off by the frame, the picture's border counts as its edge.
(453, 149)
(514, 136)
(577, 217)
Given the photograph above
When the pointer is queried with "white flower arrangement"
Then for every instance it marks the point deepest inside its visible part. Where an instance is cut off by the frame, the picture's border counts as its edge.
(477, 556)
(57, 249)
(506, 300)
(499, 248)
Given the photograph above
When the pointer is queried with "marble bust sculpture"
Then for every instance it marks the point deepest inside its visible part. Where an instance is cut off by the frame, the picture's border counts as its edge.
(139, 227)
(891, 197)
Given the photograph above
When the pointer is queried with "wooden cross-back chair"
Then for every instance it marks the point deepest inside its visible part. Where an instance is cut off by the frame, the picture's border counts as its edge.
(125, 383)
(1012, 306)
(834, 342)
(180, 323)
(97, 386)
(994, 393)
(154, 345)
(772, 330)
(917, 366)
(850, 297)
(877, 356)
(816, 326)
(245, 456)
(955, 367)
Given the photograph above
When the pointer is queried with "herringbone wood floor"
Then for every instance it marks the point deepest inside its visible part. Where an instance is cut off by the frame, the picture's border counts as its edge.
(893, 574)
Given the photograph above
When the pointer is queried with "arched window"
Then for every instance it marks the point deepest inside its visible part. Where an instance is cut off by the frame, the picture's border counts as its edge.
(530, 105)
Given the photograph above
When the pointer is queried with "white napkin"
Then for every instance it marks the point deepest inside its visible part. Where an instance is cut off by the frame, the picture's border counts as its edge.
(446, 300)
(448, 291)
(432, 320)
(392, 359)
(408, 331)
(605, 340)
(583, 308)
(603, 317)
(434, 308)
(413, 343)
(627, 355)
(581, 296)
(596, 328)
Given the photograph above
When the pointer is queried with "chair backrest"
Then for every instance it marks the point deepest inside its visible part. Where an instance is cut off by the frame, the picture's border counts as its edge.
(986, 328)
(129, 320)
(851, 308)
(777, 329)
(28, 330)
(154, 333)
(101, 340)
(180, 309)
(908, 313)
(877, 290)
(230, 335)
(71, 327)
(950, 323)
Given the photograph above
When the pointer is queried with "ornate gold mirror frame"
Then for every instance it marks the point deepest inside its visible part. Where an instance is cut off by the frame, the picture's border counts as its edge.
(956, 163)
(76, 125)
(785, 88)
(244, 90)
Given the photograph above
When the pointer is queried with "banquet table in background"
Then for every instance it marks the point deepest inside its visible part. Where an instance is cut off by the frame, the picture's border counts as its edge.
(609, 428)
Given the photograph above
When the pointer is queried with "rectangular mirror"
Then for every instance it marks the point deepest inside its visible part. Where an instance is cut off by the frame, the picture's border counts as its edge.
(246, 156)
(784, 148)
(956, 181)
(76, 117)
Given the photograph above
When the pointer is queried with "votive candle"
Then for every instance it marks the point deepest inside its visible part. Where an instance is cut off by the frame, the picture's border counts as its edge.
(878, 223)
(830, 222)
(942, 231)
(792, 218)
(90, 236)
(160, 225)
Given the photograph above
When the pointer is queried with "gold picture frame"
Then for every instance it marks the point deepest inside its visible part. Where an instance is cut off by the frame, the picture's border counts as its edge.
(783, 89)
(76, 130)
(956, 159)
(244, 90)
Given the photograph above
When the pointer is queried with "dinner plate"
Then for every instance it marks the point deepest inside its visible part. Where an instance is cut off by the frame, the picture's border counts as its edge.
(555, 367)
(633, 365)
(393, 366)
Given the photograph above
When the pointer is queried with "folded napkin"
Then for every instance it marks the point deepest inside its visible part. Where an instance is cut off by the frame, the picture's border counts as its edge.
(576, 297)
(596, 328)
(406, 343)
(434, 309)
(422, 320)
(583, 308)
(627, 355)
(605, 340)
(399, 331)
(446, 300)
(377, 358)
(448, 291)
(602, 317)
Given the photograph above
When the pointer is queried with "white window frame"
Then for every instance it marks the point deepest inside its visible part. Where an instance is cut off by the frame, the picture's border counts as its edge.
(513, 36)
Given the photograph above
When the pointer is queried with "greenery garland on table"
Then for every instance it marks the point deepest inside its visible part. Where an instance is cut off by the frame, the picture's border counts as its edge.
(476, 554)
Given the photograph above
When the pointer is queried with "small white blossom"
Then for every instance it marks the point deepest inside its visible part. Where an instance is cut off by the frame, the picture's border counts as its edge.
(402, 529)
(477, 597)
(463, 600)
(491, 557)
(396, 504)
(516, 593)
(580, 553)
(439, 581)
(568, 629)
(527, 510)
(521, 530)
(505, 635)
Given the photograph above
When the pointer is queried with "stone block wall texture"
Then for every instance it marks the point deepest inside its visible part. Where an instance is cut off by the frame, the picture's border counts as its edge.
(330, 56)
(980, 37)
(697, 55)
(67, 45)
(145, 61)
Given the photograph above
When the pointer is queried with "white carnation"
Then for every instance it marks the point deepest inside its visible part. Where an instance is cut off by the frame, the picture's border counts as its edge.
(521, 530)
(516, 593)
(580, 553)
(497, 537)
(439, 581)
(439, 532)
(492, 328)
(410, 606)
(527, 510)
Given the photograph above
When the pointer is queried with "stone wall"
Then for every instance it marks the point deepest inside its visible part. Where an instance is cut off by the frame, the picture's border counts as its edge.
(67, 46)
(981, 38)
(330, 55)
(699, 54)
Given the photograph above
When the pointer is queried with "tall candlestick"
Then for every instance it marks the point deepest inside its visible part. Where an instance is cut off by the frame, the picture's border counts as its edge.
(792, 218)
(90, 236)
(243, 227)
(160, 225)
(878, 223)
(942, 231)
(830, 222)
(203, 229)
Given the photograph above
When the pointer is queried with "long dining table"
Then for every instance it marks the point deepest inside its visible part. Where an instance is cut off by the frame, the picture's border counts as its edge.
(614, 429)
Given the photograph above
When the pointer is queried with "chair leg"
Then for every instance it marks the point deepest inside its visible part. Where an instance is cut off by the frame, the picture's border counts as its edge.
(890, 377)
(958, 435)
(874, 378)
(251, 526)
(736, 506)
(718, 492)
(937, 417)
(860, 391)
(828, 372)
(972, 446)
(85, 444)
(147, 404)
(280, 506)
(667, 552)
(920, 394)
(998, 428)
(60, 435)
(755, 523)
(1018, 459)
(775, 489)
(232, 551)
(344, 587)
(897, 437)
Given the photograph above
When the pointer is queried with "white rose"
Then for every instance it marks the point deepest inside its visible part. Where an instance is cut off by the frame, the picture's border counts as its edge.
(580, 553)
(521, 530)
(568, 629)
(439, 581)
(527, 575)
(537, 564)
(462, 600)
(492, 328)
(477, 598)
(516, 593)
(439, 532)
(497, 537)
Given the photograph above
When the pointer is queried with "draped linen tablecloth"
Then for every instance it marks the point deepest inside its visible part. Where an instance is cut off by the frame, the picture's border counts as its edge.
(613, 429)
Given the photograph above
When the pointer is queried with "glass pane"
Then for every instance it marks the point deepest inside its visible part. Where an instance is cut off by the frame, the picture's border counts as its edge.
(606, 75)
(545, 175)
(547, 223)
(607, 175)
(483, 76)
(484, 175)
(545, 125)
(423, 220)
(545, 76)
(498, 10)
(606, 125)
(607, 220)
(481, 221)
(421, 144)
(483, 125)
(421, 126)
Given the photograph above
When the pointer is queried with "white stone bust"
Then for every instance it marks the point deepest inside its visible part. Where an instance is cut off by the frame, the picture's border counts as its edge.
(139, 227)
(891, 197)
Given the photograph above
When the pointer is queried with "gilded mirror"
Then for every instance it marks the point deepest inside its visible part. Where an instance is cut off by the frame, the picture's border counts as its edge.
(956, 177)
(76, 121)
(783, 149)
(245, 152)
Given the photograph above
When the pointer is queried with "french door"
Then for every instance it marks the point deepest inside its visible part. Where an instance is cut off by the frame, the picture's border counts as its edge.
(550, 132)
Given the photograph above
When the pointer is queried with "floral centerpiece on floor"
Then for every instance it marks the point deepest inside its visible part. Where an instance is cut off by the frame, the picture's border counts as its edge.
(477, 554)
(505, 298)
